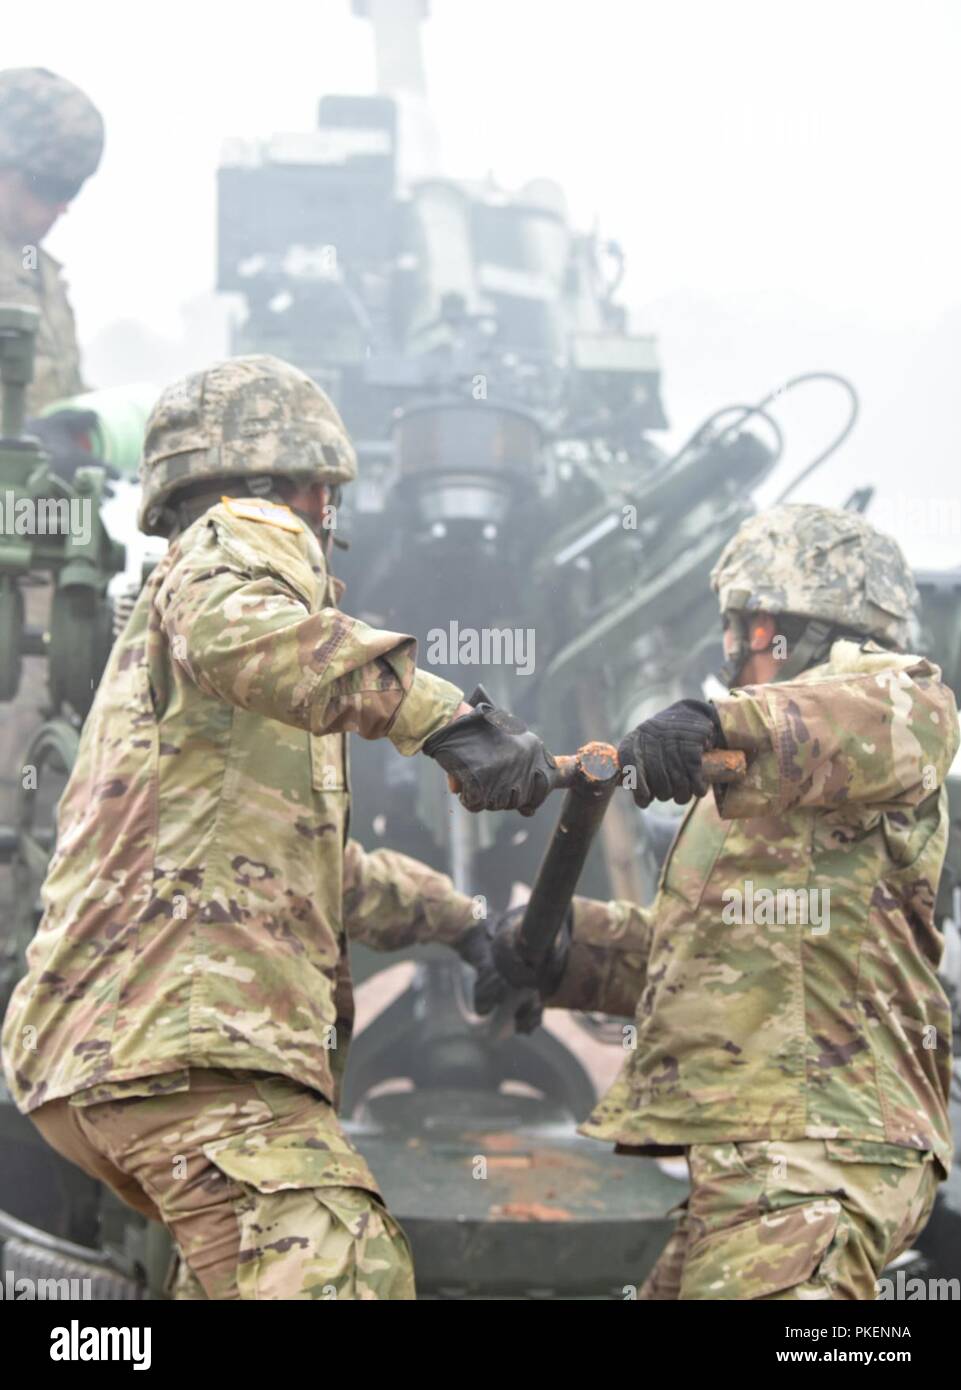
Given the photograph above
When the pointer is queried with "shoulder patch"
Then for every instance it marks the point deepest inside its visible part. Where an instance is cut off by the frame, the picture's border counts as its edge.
(257, 509)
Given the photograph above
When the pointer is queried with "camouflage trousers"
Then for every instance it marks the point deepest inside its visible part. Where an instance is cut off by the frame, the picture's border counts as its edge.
(260, 1188)
(810, 1219)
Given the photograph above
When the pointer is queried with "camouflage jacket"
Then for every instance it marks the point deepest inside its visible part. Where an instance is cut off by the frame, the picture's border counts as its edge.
(195, 908)
(56, 371)
(749, 1024)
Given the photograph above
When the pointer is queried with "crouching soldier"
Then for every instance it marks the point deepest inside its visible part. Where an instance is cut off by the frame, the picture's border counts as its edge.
(790, 1033)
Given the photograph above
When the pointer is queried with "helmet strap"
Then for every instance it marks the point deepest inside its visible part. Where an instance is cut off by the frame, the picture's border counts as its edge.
(740, 650)
(810, 649)
(187, 510)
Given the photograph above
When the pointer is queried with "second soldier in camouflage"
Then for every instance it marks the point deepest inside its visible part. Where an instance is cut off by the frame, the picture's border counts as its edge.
(800, 1060)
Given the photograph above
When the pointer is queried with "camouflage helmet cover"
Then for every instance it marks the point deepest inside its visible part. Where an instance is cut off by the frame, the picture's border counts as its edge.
(48, 127)
(251, 415)
(818, 562)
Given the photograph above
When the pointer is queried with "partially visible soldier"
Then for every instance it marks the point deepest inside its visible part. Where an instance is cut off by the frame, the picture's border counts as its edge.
(51, 140)
(182, 1028)
(792, 1036)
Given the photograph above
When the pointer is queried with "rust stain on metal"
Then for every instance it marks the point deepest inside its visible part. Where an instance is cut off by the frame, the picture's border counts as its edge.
(529, 1211)
(501, 1142)
(519, 1146)
(596, 764)
(724, 764)
(597, 749)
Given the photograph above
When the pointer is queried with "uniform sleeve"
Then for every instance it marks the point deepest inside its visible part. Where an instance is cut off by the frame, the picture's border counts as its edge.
(884, 738)
(607, 963)
(236, 611)
(392, 901)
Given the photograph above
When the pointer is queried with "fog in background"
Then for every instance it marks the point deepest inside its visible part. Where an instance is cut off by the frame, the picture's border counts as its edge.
(782, 175)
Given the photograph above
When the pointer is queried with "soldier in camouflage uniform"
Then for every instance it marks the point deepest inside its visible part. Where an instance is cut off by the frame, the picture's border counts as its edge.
(183, 1025)
(51, 139)
(797, 1049)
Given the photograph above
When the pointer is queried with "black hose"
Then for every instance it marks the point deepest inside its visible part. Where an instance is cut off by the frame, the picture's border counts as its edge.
(759, 409)
(835, 443)
(745, 410)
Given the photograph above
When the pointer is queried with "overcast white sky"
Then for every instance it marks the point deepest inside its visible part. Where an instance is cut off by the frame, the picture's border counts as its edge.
(783, 175)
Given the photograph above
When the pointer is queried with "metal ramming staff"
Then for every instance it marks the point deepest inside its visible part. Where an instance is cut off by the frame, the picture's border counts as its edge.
(590, 777)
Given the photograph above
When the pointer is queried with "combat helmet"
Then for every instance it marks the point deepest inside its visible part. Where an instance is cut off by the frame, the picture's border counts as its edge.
(820, 563)
(50, 130)
(252, 417)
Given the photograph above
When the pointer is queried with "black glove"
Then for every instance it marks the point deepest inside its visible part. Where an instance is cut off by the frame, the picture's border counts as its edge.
(475, 948)
(665, 752)
(499, 764)
(506, 969)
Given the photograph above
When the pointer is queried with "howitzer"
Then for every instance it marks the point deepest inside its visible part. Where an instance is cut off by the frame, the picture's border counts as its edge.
(57, 558)
(50, 526)
(56, 561)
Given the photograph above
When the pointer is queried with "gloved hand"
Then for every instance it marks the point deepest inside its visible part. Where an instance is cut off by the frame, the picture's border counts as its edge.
(475, 948)
(497, 762)
(506, 969)
(665, 752)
